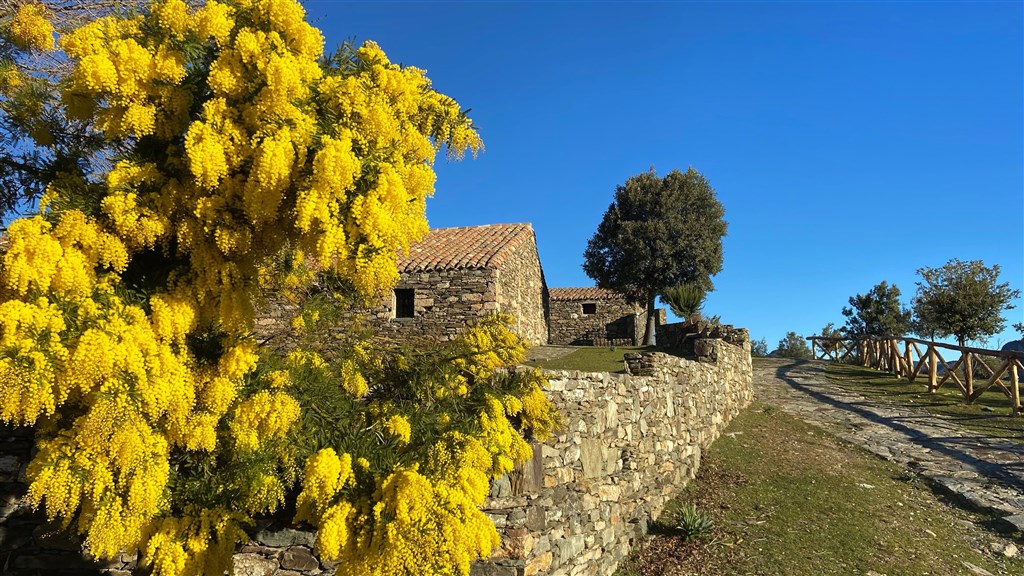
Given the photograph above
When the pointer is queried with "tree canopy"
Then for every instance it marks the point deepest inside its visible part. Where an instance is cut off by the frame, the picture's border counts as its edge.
(226, 152)
(792, 346)
(961, 299)
(877, 313)
(658, 233)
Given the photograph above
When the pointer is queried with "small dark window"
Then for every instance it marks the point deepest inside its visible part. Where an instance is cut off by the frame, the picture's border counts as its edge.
(590, 308)
(405, 303)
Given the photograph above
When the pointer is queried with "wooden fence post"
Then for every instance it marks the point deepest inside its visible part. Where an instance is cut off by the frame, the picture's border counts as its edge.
(933, 370)
(1015, 387)
(969, 375)
(909, 356)
(894, 355)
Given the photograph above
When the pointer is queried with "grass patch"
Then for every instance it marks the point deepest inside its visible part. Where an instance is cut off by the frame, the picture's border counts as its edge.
(593, 359)
(990, 414)
(789, 499)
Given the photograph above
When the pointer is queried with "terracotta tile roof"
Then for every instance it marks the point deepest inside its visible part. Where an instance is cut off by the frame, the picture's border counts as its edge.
(467, 247)
(573, 294)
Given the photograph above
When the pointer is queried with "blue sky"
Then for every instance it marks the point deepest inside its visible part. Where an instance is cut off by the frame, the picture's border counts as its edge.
(849, 142)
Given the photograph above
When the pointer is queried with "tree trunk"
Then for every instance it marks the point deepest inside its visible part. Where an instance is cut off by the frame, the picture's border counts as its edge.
(651, 322)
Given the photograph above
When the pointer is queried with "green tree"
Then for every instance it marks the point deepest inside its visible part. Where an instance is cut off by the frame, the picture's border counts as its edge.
(758, 348)
(792, 346)
(684, 300)
(877, 313)
(658, 233)
(962, 299)
(830, 331)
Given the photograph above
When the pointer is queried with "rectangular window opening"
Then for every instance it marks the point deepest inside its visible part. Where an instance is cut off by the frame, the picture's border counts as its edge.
(405, 302)
(590, 308)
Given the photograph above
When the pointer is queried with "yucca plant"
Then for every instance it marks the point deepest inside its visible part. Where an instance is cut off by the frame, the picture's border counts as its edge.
(693, 523)
(685, 300)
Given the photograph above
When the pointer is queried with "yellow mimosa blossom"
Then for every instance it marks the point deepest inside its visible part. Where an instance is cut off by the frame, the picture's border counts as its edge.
(31, 29)
(398, 426)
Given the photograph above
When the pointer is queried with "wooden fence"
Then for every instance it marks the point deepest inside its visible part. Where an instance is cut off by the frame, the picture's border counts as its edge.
(977, 370)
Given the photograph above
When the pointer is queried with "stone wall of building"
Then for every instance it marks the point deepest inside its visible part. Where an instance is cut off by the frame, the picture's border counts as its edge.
(615, 321)
(523, 293)
(629, 443)
(445, 302)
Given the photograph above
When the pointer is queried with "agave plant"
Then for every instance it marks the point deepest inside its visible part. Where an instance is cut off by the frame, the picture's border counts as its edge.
(685, 300)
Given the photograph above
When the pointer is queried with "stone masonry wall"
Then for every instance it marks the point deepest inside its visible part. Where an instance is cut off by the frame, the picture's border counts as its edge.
(445, 302)
(629, 443)
(523, 293)
(615, 322)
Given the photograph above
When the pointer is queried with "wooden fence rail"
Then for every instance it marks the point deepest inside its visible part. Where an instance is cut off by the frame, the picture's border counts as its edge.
(976, 371)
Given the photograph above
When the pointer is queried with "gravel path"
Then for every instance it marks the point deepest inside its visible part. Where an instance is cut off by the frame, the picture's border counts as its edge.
(986, 473)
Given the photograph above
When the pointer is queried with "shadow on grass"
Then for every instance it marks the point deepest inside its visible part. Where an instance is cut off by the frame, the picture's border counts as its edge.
(1010, 474)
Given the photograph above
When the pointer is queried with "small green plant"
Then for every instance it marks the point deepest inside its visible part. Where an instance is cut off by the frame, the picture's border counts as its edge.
(693, 523)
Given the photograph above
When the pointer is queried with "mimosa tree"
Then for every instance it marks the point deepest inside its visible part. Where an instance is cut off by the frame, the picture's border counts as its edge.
(221, 138)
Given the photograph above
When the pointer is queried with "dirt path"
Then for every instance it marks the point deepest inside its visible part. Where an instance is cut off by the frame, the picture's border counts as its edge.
(986, 473)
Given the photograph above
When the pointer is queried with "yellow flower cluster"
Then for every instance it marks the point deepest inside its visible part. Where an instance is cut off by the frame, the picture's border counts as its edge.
(114, 465)
(325, 475)
(30, 28)
(490, 345)
(503, 441)
(198, 543)
(265, 416)
(415, 523)
(399, 427)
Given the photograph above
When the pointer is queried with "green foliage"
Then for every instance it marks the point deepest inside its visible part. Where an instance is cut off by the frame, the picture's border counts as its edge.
(693, 523)
(877, 313)
(759, 348)
(830, 331)
(684, 300)
(658, 233)
(961, 299)
(792, 346)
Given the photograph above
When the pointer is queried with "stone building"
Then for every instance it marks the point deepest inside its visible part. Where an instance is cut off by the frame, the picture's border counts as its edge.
(457, 275)
(594, 317)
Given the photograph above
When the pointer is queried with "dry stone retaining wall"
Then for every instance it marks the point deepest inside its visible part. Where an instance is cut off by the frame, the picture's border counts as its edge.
(630, 442)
